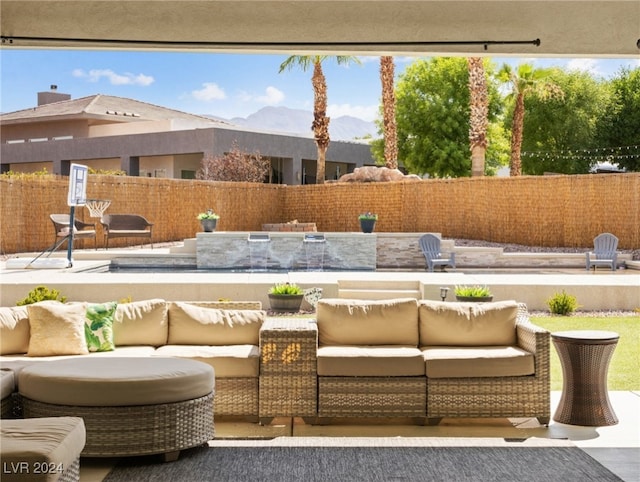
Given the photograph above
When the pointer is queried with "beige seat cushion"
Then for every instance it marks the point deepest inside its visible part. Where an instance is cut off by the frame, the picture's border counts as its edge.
(370, 361)
(34, 442)
(230, 361)
(126, 351)
(14, 330)
(196, 325)
(116, 381)
(367, 322)
(16, 365)
(7, 383)
(486, 361)
(141, 323)
(467, 324)
(56, 329)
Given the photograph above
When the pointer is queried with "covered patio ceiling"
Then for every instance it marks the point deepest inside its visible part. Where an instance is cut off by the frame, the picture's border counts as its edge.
(601, 28)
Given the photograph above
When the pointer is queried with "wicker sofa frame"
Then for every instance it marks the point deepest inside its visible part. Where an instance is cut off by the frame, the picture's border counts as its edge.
(6, 407)
(289, 385)
(528, 396)
(235, 396)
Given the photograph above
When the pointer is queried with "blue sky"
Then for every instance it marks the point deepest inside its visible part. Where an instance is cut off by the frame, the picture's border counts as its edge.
(225, 85)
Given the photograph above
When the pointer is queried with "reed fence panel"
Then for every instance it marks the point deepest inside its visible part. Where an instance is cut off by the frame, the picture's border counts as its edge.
(531, 210)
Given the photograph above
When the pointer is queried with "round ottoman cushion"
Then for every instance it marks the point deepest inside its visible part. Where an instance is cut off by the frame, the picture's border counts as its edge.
(112, 382)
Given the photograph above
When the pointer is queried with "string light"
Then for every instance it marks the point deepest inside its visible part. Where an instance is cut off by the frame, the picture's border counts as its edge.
(610, 154)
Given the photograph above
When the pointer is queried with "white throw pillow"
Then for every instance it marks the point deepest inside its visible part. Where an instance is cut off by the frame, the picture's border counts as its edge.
(56, 329)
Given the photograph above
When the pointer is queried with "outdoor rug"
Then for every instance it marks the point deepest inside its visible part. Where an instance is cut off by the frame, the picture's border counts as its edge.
(371, 460)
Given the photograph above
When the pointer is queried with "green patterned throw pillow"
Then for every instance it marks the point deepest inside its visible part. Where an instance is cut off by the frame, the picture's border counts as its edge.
(98, 328)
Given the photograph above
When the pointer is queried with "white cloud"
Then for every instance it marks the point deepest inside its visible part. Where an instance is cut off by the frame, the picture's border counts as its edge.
(210, 91)
(95, 75)
(272, 96)
(584, 65)
(368, 113)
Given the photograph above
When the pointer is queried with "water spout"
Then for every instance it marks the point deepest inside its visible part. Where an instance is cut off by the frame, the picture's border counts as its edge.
(314, 244)
(259, 244)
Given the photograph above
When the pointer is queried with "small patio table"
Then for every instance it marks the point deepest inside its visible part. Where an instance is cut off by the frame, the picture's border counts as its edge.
(585, 356)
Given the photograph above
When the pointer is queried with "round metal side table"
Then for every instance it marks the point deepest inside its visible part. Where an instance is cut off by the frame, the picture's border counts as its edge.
(585, 356)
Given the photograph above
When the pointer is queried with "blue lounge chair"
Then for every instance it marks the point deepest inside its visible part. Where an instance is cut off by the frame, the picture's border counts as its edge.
(604, 252)
(430, 246)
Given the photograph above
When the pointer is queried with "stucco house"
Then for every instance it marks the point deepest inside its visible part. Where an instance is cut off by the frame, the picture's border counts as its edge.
(107, 132)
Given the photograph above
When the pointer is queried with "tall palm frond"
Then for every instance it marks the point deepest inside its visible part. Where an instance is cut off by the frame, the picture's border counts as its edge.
(525, 81)
(320, 124)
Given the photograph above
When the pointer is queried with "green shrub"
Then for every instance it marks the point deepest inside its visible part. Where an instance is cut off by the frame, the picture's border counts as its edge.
(562, 304)
(108, 172)
(41, 293)
(369, 216)
(472, 291)
(26, 175)
(286, 289)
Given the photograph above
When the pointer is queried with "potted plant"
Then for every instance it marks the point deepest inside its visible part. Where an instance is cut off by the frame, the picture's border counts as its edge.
(209, 220)
(285, 297)
(367, 221)
(475, 293)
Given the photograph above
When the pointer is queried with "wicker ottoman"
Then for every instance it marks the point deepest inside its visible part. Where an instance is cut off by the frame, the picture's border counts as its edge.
(130, 406)
(42, 449)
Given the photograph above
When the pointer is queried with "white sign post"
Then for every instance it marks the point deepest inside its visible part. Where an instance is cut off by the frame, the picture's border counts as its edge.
(77, 196)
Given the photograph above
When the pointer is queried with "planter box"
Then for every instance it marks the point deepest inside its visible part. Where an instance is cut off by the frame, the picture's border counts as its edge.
(287, 303)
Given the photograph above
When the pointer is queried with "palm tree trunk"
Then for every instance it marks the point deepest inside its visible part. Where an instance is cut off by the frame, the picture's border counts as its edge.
(516, 136)
(479, 112)
(320, 123)
(389, 112)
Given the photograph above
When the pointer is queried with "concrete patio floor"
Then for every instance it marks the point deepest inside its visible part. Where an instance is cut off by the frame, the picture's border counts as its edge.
(617, 447)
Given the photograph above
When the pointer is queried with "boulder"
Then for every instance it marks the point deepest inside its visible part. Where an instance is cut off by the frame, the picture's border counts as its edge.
(377, 174)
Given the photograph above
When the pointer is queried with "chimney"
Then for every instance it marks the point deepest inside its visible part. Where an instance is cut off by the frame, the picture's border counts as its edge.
(52, 96)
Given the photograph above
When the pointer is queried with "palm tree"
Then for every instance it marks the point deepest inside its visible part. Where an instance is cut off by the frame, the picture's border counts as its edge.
(320, 124)
(387, 68)
(525, 81)
(479, 120)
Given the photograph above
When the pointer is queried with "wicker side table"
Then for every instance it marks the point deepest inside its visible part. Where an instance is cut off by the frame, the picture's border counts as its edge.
(585, 357)
(288, 368)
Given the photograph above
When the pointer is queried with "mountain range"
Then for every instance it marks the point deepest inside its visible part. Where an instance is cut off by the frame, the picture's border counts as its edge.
(297, 121)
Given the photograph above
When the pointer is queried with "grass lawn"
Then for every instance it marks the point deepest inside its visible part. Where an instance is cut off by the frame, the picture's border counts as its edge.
(624, 369)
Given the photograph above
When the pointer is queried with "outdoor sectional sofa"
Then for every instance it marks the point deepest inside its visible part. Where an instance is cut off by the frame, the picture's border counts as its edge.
(224, 335)
(423, 360)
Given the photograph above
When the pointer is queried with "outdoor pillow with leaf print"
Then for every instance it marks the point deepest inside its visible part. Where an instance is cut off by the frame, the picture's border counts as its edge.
(98, 328)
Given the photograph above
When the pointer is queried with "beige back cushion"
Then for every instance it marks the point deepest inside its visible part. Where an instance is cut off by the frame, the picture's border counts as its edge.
(468, 324)
(14, 330)
(141, 323)
(367, 322)
(195, 325)
(56, 329)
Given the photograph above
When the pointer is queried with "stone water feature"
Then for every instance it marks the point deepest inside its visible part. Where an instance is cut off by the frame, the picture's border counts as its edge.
(286, 251)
